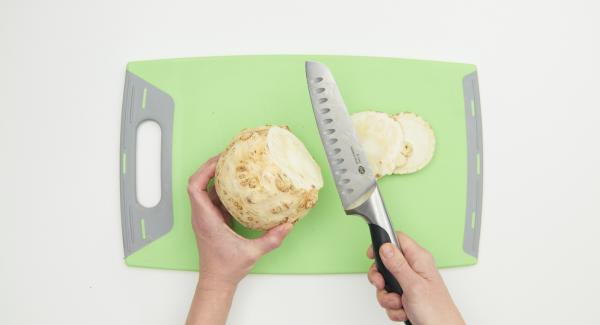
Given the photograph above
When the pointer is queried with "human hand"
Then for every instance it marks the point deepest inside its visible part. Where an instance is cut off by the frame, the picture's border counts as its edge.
(225, 256)
(426, 300)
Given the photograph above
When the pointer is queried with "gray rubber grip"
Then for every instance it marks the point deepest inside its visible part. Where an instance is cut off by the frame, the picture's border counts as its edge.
(474, 164)
(143, 102)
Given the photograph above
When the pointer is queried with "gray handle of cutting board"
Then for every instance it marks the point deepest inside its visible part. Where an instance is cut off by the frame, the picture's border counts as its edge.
(474, 164)
(143, 102)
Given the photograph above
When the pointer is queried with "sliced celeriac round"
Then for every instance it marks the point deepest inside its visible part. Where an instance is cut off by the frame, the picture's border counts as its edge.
(419, 142)
(267, 177)
(382, 139)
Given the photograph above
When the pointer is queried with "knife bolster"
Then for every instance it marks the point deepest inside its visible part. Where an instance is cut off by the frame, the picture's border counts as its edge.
(374, 212)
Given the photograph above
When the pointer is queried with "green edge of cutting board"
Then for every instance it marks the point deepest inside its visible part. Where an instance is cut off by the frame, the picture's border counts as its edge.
(216, 97)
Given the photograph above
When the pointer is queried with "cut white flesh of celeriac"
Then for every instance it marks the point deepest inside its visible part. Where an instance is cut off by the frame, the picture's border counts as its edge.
(419, 142)
(293, 158)
(382, 139)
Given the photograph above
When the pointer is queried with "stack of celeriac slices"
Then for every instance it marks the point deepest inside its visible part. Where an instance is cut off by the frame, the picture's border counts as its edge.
(401, 143)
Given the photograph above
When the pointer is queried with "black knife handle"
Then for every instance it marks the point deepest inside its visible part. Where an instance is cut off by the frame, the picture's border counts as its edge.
(380, 226)
(379, 237)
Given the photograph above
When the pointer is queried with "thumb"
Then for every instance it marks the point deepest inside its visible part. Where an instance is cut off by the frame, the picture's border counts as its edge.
(272, 238)
(394, 261)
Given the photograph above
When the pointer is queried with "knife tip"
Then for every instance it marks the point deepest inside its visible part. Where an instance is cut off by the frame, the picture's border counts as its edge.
(315, 66)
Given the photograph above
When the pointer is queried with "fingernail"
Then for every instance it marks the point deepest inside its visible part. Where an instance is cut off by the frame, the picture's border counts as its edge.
(388, 251)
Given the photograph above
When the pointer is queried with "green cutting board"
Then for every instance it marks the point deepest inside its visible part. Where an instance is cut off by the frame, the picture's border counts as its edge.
(201, 103)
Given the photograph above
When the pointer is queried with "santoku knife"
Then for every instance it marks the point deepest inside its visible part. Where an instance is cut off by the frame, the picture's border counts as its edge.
(354, 179)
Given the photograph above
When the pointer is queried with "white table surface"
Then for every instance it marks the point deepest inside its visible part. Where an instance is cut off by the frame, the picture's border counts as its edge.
(62, 67)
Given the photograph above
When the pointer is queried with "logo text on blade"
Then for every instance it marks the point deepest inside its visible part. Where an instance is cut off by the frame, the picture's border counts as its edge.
(355, 155)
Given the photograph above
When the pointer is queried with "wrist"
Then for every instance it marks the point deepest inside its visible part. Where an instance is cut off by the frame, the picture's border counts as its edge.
(216, 284)
(211, 302)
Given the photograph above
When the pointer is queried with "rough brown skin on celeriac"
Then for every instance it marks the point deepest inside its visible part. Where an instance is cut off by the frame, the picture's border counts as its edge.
(254, 189)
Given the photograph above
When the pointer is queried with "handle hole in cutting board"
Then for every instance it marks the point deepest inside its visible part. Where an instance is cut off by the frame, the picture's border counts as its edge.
(147, 178)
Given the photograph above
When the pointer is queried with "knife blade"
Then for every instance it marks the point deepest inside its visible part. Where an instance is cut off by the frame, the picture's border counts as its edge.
(353, 176)
(354, 180)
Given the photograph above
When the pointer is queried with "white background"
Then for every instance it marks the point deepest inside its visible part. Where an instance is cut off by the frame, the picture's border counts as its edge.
(62, 67)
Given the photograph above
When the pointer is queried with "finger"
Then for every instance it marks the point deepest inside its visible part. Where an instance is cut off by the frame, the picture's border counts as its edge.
(370, 254)
(418, 257)
(395, 262)
(407, 244)
(389, 300)
(272, 238)
(375, 278)
(397, 315)
(199, 180)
